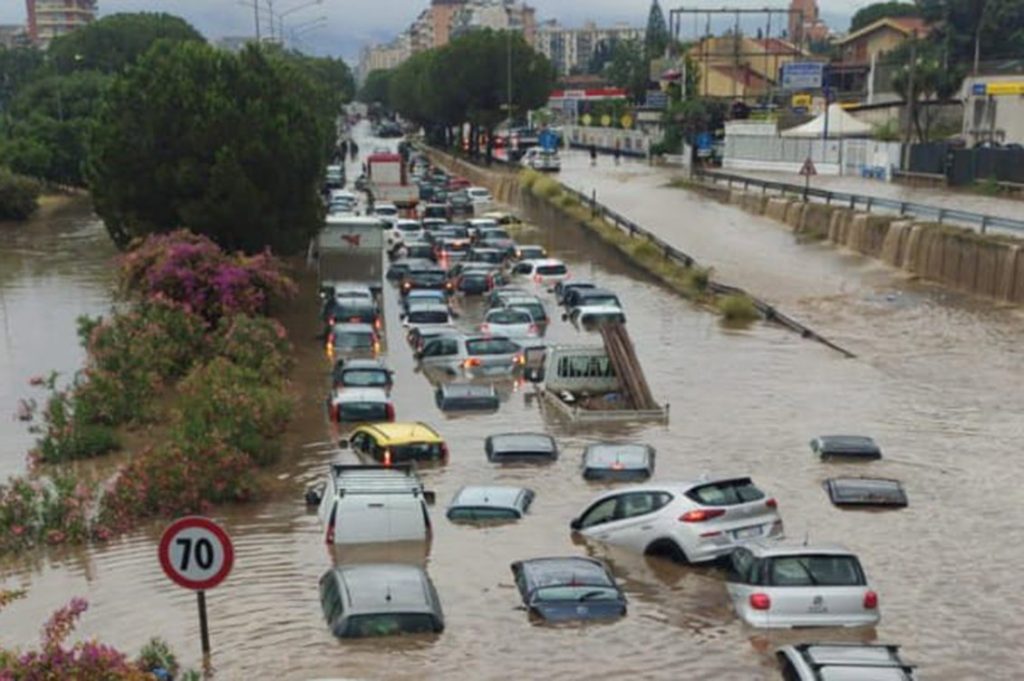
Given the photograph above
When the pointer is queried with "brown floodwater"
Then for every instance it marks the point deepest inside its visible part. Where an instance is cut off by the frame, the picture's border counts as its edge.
(938, 384)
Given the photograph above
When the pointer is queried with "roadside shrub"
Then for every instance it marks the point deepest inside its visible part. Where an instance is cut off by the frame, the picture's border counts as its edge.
(527, 176)
(19, 195)
(157, 656)
(70, 424)
(36, 511)
(738, 308)
(546, 188)
(255, 343)
(235, 405)
(191, 270)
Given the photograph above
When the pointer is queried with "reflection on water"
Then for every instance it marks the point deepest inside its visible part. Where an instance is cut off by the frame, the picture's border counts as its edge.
(938, 389)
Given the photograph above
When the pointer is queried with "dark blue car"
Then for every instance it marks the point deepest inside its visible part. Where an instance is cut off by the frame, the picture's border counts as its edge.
(572, 588)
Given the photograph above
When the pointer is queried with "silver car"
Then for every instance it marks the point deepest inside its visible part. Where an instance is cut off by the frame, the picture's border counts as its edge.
(509, 321)
(690, 521)
(779, 585)
(380, 600)
(471, 356)
(845, 661)
(494, 503)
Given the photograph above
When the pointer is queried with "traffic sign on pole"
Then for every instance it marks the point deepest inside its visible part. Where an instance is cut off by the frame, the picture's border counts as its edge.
(196, 553)
(807, 170)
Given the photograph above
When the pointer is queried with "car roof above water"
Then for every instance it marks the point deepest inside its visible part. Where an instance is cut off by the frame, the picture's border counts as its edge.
(769, 548)
(607, 454)
(494, 496)
(541, 572)
(517, 442)
(385, 587)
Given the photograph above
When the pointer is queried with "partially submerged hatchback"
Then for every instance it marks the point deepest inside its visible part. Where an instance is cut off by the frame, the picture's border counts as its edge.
(472, 356)
(362, 373)
(361, 405)
(380, 600)
(545, 272)
(779, 585)
(690, 521)
(866, 492)
(520, 448)
(608, 461)
(394, 443)
(843, 662)
(489, 503)
(571, 588)
(846, 446)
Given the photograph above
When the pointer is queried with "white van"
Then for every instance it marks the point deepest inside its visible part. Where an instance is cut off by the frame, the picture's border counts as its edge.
(374, 504)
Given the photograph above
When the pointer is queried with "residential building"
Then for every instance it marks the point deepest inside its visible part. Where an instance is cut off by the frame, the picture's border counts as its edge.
(48, 19)
(421, 33)
(499, 15)
(874, 40)
(571, 50)
(441, 14)
(741, 66)
(383, 57)
(13, 35)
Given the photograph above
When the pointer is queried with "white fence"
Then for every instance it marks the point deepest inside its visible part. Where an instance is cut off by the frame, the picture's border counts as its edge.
(631, 142)
(861, 157)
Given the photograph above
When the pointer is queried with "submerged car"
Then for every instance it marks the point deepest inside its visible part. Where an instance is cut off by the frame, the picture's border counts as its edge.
(846, 446)
(694, 521)
(393, 443)
(471, 356)
(361, 405)
(843, 662)
(571, 588)
(520, 447)
(466, 397)
(607, 461)
(863, 492)
(353, 340)
(511, 322)
(380, 600)
(778, 585)
(489, 503)
(362, 373)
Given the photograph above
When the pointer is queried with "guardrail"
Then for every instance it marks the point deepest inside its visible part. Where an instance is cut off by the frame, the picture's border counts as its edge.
(770, 312)
(867, 203)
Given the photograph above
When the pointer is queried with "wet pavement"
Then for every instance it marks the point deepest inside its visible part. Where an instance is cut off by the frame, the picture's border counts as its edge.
(937, 384)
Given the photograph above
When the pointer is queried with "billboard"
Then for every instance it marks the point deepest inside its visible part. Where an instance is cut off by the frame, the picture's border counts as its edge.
(803, 75)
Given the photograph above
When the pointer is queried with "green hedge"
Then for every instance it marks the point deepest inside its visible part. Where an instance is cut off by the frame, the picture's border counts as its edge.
(18, 195)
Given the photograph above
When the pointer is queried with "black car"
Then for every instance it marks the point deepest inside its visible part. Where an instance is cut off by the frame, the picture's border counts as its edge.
(571, 588)
(474, 282)
(495, 256)
(460, 203)
(350, 311)
(578, 297)
(431, 278)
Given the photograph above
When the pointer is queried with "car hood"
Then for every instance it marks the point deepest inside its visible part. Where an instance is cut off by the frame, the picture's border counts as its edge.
(564, 611)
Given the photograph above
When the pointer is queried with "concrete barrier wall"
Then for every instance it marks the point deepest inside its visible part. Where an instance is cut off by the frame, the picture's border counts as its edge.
(960, 258)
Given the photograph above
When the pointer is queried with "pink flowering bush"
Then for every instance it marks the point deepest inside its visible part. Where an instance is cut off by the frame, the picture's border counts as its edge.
(191, 270)
(55, 659)
(36, 511)
(255, 343)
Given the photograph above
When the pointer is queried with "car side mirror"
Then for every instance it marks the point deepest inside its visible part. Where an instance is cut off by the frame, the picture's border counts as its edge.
(565, 317)
(343, 443)
(575, 524)
(430, 497)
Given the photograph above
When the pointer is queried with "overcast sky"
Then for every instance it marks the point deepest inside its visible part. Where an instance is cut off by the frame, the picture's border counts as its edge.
(354, 23)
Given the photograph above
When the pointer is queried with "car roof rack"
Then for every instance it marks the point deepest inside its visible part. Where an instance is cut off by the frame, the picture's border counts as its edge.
(370, 479)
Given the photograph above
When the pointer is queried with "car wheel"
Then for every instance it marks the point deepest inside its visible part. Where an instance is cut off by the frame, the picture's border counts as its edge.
(667, 548)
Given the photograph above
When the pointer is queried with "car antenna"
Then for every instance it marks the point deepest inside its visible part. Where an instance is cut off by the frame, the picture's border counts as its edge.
(387, 596)
(807, 536)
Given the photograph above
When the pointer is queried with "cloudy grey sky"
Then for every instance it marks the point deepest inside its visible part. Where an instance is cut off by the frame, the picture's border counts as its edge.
(354, 23)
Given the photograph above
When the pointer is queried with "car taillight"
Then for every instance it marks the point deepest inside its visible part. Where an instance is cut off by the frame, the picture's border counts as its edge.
(760, 601)
(534, 329)
(700, 515)
(537, 278)
(771, 503)
(390, 412)
(870, 600)
(520, 360)
(376, 323)
(471, 362)
(330, 320)
(444, 451)
(485, 328)
(336, 412)
(387, 457)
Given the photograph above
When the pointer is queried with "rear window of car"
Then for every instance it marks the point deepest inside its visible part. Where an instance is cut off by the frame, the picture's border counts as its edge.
(428, 317)
(350, 340)
(815, 570)
(510, 317)
(551, 270)
(536, 310)
(603, 317)
(581, 593)
(419, 251)
(389, 624)
(726, 493)
(599, 300)
(409, 227)
(355, 313)
(491, 346)
(363, 411)
(365, 378)
(482, 513)
(428, 277)
(417, 451)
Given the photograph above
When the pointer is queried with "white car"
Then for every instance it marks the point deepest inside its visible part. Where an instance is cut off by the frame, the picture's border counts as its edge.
(481, 199)
(541, 159)
(780, 585)
(429, 317)
(371, 504)
(405, 230)
(510, 322)
(546, 272)
(361, 405)
(592, 316)
(388, 212)
(694, 521)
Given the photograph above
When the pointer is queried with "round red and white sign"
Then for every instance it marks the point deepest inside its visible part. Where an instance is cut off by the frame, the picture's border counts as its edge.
(196, 553)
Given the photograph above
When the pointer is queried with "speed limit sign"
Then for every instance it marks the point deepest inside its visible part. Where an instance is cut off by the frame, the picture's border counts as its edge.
(196, 553)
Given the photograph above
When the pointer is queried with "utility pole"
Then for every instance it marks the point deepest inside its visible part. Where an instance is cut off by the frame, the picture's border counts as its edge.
(256, 17)
(911, 98)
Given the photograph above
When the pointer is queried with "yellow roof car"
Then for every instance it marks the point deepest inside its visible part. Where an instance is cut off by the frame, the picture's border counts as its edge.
(391, 443)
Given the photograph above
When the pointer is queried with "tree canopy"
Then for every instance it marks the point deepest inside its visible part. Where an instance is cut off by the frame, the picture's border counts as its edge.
(996, 25)
(868, 15)
(629, 68)
(376, 88)
(656, 37)
(113, 42)
(231, 146)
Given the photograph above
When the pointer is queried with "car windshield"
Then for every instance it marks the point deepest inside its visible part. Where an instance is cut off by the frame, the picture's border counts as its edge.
(491, 346)
(417, 451)
(601, 300)
(428, 317)
(365, 378)
(389, 624)
(363, 411)
(576, 592)
(726, 493)
(816, 570)
(482, 513)
(551, 270)
(353, 340)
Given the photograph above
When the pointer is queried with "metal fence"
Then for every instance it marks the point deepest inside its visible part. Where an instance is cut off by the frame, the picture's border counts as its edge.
(868, 203)
(860, 157)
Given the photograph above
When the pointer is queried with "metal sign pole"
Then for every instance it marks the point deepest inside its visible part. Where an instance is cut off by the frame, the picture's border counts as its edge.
(204, 629)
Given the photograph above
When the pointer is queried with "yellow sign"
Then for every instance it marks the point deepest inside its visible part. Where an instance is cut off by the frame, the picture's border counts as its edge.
(626, 121)
(801, 101)
(606, 120)
(1012, 88)
(587, 119)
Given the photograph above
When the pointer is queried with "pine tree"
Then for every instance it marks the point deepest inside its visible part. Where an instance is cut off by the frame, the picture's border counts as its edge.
(656, 38)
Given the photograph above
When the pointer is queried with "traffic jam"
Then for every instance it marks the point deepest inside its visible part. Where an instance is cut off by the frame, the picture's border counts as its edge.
(488, 315)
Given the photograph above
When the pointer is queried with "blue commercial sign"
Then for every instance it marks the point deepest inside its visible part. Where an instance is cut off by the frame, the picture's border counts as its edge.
(656, 99)
(803, 75)
(978, 90)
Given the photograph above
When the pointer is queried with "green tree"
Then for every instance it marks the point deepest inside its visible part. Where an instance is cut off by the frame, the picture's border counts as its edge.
(656, 37)
(113, 42)
(990, 29)
(629, 69)
(376, 88)
(18, 67)
(231, 146)
(18, 195)
(868, 15)
(932, 80)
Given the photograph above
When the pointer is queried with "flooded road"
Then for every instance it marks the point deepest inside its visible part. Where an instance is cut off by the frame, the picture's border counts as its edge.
(938, 387)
